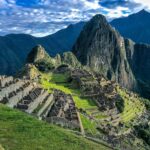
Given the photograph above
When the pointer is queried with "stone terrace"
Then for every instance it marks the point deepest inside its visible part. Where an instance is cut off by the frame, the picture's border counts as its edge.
(63, 111)
(29, 97)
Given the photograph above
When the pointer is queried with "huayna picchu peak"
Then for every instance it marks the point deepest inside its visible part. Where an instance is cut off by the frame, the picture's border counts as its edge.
(103, 49)
(94, 96)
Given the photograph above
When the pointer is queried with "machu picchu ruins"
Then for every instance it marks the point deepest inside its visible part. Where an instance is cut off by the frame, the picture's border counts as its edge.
(29, 97)
(74, 79)
(76, 98)
(58, 106)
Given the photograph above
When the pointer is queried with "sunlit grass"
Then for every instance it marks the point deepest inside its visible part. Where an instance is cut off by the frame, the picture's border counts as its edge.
(89, 125)
(18, 131)
(49, 82)
(133, 107)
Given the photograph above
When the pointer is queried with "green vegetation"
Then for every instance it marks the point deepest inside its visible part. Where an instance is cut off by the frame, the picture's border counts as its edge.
(18, 131)
(144, 132)
(70, 59)
(59, 78)
(44, 65)
(84, 103)
(30, 71)
(129, 106)
(59, 81)
(89, 125)
(100, 116)
(120, 104)
(133, 107)
(147, 103)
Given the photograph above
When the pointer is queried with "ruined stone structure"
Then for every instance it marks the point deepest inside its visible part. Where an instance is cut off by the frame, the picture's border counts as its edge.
(29, 97)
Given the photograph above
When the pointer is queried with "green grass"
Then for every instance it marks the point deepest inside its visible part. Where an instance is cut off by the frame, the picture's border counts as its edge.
(89, 126)
(51, 81)
(133, 107)
(100, 116)
(18, 131)
(59, 81)
(59, 78)
(84, 103)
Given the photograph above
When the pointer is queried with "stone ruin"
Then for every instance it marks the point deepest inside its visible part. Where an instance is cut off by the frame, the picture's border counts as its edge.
(91, 87)
(29, 97)
(103, 92)
(64, 111)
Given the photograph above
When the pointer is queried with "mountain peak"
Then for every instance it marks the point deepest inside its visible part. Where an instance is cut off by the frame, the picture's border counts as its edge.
(98, 19)
(101, 48)
(36, 54)
(143, 12)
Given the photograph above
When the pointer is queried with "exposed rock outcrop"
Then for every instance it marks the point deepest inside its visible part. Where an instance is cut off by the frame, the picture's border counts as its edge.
(39, 58)
(38, 53)
(138, 56)
(102, 49)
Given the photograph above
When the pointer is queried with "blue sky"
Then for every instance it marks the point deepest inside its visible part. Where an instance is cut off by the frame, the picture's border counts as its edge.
(43, 17)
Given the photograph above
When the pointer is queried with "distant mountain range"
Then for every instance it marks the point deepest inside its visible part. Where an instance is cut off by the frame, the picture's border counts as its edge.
(15, 47)
(135, 26)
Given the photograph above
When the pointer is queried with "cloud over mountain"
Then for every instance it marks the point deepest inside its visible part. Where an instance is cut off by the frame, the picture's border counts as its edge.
(42, 17)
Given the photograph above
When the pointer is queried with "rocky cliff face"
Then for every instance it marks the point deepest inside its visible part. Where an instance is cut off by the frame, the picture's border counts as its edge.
(41, 59)
(38, 53)
(138, 56)
(102, 49)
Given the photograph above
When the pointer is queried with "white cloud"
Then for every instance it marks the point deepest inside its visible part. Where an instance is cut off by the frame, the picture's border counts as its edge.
(145, 3)
(48, 16)
(90, 4)
(3, 3)
(116, 13)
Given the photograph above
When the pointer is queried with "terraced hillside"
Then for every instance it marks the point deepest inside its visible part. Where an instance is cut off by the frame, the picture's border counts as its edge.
(96, 101)
(30, 97)
(80, 100)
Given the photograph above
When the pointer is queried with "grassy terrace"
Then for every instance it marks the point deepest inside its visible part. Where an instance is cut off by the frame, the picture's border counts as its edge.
(18, 131)
(133, 107)
(59, 81)
(89, 126)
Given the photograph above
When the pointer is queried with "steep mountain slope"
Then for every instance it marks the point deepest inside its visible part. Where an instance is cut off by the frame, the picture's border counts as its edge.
(39, 59)
(102, 48)
(15, 47)
(138, 56)
(130, 26)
